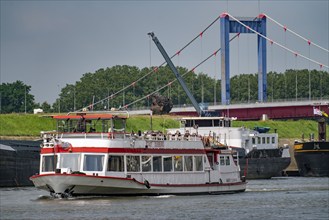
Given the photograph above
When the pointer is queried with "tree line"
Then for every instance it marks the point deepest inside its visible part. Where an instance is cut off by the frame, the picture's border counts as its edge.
(96, 87)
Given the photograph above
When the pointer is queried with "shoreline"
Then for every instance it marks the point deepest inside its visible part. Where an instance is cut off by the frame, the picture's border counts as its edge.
(20, 138)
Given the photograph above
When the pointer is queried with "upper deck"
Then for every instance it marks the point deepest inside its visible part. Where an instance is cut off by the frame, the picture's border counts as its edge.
(109, 131)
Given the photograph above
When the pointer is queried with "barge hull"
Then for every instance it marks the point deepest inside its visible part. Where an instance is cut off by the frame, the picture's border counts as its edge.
(312, 158)
(18, 161)
(263, 168)
(313, 164)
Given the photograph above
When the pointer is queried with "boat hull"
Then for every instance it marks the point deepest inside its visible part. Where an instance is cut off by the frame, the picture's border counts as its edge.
(263, 163)
(18, 164)
(263, 168)
(77, 185)
(312, 158)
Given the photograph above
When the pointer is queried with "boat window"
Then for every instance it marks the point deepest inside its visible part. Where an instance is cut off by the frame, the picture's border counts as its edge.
(49, 163)
(198, 163)
(227, 160)
(71, 161)
(93, 162)
(133, 163)
(203, 123)
(227, 123)
(81, 125)
(178, 163)
(210, 157)
(157, 165)
(60, 125)
(167, 163)
(115, 163)
(222, 160)
(146, 163)
(188, 163)
(273, 140)
(119, 124)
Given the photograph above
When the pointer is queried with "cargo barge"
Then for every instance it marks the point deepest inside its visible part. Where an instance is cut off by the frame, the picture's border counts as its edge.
(312, 156)
(18, 161)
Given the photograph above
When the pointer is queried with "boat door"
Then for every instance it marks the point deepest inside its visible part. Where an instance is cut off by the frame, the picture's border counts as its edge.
(213, 159)
(210, 156)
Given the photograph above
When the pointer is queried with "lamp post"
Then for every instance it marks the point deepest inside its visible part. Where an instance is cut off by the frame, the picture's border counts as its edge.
(108, 99)
(25, 99)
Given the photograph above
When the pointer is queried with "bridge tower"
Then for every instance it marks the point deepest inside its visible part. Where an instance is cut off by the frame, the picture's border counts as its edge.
(228, 26)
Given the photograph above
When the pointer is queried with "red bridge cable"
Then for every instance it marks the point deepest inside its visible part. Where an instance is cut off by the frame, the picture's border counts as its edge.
(177, 53)
(163, 87)
(298, 35)
(276, 43)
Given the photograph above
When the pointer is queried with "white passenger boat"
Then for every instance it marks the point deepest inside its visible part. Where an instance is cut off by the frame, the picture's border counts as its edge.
(92, 154)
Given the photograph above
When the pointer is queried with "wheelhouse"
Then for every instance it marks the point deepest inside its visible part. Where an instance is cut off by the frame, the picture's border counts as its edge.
(90, 123)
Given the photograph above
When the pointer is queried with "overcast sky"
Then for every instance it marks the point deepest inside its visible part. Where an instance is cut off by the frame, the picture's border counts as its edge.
(48, 44)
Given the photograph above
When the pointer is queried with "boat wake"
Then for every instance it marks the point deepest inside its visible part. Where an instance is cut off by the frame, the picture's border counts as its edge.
(43, 197)
(265, 190)
(163, 196)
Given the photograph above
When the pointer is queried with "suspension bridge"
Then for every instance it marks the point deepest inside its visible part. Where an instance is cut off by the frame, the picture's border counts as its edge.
(237, 26)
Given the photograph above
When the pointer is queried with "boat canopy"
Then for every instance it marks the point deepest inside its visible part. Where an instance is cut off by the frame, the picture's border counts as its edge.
(90, 122)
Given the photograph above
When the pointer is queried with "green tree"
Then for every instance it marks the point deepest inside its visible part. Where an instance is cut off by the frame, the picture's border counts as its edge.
(127, 84)
(16, 98)
(46, 107)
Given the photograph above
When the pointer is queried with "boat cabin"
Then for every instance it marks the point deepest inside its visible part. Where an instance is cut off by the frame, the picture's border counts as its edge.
(206, 122)
(220, 130)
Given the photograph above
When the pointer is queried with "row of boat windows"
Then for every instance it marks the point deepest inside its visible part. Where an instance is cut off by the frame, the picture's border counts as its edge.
(224, 160)
(122, 163)
(263, 140)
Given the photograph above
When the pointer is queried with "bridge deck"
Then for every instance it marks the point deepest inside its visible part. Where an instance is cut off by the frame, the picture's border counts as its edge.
(255, 111)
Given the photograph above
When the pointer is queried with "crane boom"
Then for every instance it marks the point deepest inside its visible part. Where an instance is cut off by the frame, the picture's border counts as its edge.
(177, 75)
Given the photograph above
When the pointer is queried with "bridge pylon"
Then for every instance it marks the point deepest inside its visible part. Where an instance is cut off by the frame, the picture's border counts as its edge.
(228, 26)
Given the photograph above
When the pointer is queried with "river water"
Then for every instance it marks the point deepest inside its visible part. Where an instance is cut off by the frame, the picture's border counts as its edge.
(277, 198)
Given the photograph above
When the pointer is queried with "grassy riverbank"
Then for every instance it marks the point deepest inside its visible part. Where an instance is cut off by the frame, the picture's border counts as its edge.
(28, 125)
(286, 128)
(24, 124)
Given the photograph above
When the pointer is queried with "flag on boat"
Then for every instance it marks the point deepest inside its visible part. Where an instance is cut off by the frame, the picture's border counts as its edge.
(317, 111)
